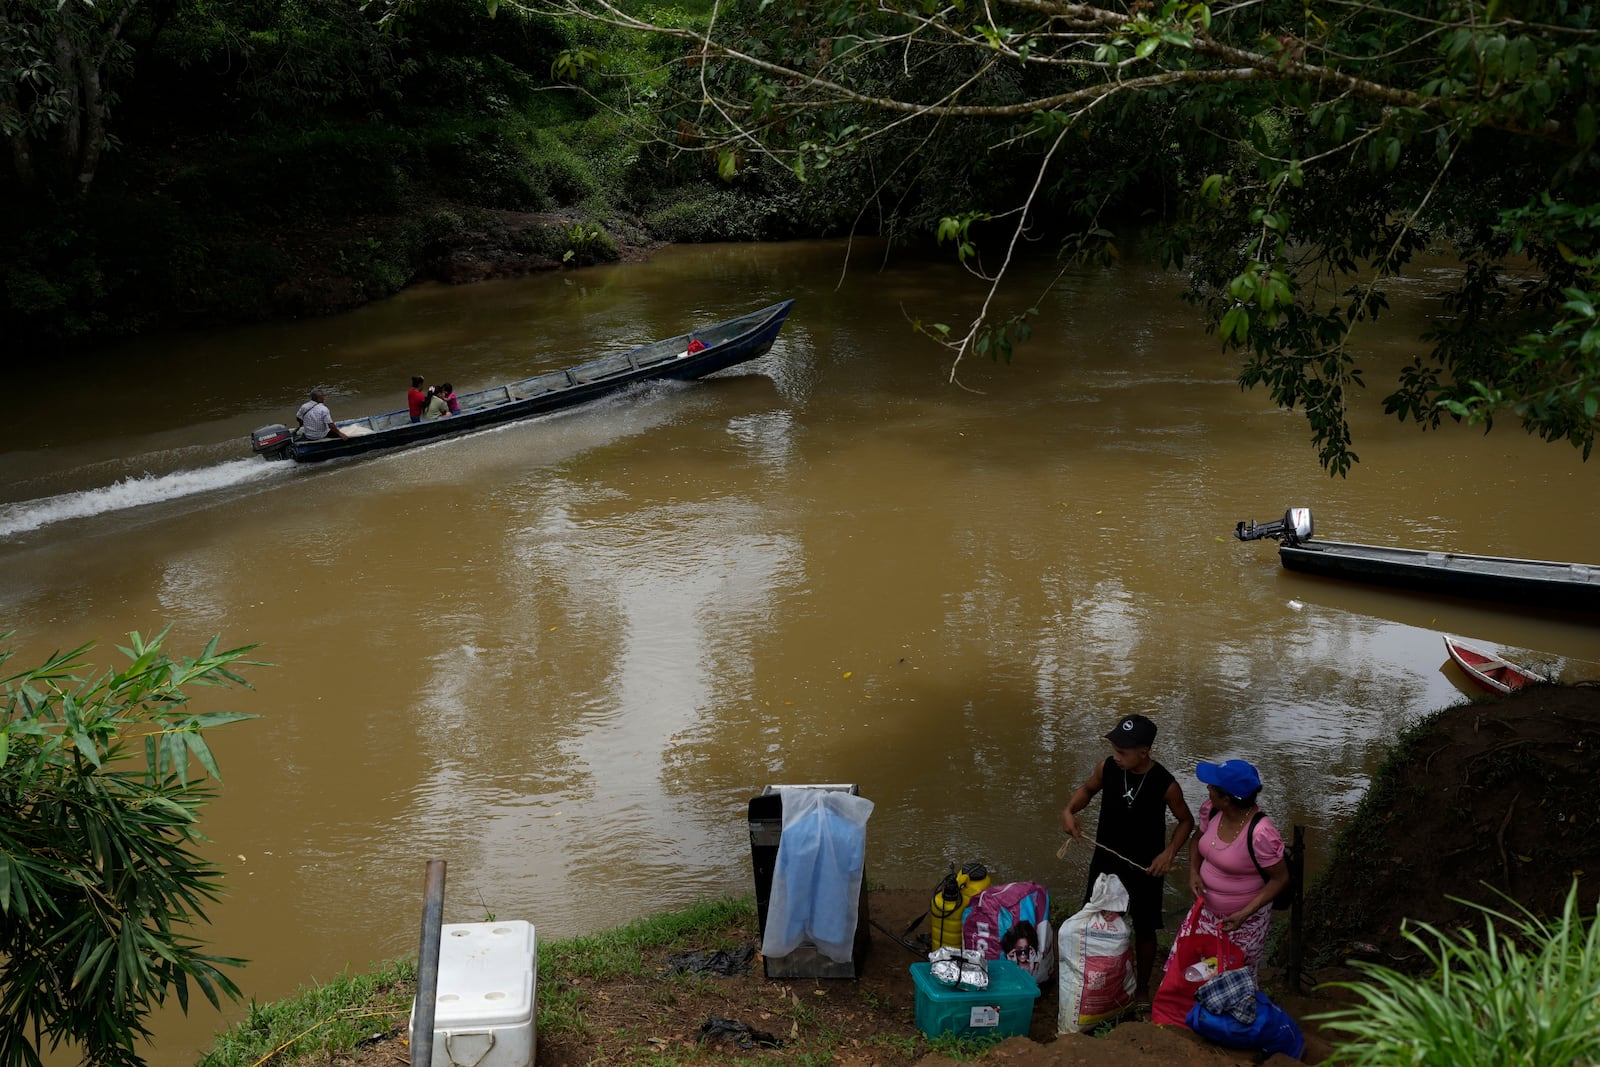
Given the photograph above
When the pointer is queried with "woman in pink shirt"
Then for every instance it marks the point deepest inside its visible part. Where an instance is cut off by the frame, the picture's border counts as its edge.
(1237, 864)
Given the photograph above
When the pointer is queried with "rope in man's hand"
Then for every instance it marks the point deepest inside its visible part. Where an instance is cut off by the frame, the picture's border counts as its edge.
(1061, 853)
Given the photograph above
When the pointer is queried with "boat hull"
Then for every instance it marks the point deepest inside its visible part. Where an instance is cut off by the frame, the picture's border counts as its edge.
(728, 344)
(1544, 583)
(1488, 670)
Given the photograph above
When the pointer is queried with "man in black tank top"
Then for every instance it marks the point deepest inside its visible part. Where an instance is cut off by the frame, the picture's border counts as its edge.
(1133, 822)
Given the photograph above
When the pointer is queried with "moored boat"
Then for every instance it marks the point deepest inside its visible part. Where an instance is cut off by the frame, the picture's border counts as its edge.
(684, 357)
(1547, 583)
(1489, 670)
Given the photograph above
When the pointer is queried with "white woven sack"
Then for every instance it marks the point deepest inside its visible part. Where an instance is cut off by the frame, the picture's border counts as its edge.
(1096, 972)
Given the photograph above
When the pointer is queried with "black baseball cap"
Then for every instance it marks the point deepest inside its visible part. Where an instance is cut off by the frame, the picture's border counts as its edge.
(1132, 731)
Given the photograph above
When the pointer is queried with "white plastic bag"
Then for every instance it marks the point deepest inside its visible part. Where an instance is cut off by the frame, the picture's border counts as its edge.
(1096, 973)
(816, 879)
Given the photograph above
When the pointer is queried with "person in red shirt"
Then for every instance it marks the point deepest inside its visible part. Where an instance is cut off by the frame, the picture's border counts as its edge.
(416, 398)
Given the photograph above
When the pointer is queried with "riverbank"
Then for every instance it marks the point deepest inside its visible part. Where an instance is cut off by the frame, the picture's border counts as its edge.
(1440, 823)
(329, 270)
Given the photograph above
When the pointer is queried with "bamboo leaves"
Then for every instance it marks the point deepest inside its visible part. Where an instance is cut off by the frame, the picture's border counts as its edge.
(102, 778)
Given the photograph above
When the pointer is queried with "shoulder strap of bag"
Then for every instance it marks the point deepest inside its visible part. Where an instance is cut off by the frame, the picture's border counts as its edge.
(1250, 844)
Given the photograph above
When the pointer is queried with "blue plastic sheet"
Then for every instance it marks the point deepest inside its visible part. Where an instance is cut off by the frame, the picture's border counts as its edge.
(816, 881)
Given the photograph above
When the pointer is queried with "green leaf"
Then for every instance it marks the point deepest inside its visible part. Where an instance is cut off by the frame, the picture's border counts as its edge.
(1583, 124)
(86, 747)
(1145, 47)
(92, 965)
(201, 752)
(1235, 324)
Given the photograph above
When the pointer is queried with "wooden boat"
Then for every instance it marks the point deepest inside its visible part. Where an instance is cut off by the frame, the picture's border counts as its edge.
(1488, 670)
(726, 344)
(1546, 583)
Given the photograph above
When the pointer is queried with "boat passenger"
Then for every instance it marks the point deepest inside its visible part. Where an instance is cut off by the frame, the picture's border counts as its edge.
(435, 408)
(316, 421)
(416, 399)
(449, 395)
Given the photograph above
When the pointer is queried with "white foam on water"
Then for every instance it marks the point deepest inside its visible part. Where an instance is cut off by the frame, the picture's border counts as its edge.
(133, 492)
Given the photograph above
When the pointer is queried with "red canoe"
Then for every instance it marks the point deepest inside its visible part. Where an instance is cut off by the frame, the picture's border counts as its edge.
(1488, 670)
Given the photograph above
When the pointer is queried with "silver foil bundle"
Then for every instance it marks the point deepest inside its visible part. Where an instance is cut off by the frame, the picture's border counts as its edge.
(959, 967)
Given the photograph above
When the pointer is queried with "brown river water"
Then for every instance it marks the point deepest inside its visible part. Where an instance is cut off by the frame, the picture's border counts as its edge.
(562, 655)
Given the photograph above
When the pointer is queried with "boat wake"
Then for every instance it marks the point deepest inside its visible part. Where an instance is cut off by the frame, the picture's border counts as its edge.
(133, 492)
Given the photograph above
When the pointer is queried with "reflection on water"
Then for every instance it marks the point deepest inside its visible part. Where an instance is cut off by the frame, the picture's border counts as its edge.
(563, 654)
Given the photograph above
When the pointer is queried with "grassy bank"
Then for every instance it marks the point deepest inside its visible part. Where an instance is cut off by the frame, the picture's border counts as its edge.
(616, 997)
(357, 1010)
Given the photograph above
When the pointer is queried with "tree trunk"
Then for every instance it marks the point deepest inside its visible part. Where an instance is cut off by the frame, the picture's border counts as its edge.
(92, 100)
(22, 162)
(71, 135)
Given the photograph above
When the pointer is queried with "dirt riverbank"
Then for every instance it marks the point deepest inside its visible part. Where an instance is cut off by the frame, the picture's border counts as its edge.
(1487, 796)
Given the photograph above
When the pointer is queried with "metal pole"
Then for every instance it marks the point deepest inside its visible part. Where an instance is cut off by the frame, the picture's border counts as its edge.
(428, 965)
(1297, 868)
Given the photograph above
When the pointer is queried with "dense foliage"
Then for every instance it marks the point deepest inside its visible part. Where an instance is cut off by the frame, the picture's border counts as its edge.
(1300, 156)
(102, 778)
(185, 160)
(287, 158)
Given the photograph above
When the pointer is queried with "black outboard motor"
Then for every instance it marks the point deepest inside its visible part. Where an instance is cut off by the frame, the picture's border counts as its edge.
(273, 441)
(1293, 528)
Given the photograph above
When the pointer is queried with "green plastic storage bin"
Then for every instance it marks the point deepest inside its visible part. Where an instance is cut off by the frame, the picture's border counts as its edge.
(1002, 1010)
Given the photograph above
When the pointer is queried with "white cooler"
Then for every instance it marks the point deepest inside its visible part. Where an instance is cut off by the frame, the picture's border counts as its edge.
(484, 1013)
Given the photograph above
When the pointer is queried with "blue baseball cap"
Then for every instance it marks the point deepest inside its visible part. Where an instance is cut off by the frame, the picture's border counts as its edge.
(1234, 777)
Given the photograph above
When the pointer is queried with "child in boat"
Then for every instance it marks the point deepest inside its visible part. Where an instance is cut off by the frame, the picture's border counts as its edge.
(448, 395)
(435, 408)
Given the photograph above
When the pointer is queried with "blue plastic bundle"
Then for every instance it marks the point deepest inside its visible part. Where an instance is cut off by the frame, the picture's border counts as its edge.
(1271, 1031)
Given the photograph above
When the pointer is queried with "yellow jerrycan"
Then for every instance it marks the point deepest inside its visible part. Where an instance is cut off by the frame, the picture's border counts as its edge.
(945, 913)
(973, 878)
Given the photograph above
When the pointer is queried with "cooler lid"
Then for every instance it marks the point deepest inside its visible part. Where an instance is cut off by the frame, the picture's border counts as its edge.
(486, 974)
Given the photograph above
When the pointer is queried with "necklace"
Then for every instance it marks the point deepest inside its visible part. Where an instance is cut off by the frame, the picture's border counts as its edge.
(1131, 793)
(1233, 826)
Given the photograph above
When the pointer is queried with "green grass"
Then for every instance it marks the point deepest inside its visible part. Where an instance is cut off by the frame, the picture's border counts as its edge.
(341, 1015)
(336, 1017)
(961, 1048)
(1525, 993)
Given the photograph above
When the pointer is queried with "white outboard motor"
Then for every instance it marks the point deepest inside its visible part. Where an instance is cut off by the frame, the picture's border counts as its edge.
(1293, 529)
